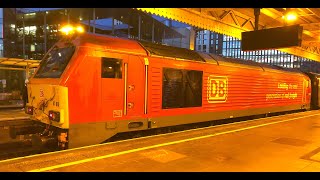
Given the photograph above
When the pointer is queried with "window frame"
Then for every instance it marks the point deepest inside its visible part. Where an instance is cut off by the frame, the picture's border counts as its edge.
(108, 59)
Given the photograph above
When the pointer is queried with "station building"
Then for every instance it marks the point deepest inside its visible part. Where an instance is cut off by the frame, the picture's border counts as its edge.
(27, 33)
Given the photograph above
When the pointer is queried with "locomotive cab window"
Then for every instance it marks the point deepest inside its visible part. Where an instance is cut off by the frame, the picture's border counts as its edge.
(55, 62)
(111, 68)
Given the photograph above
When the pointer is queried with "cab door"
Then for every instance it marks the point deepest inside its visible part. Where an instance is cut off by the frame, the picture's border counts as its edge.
(135, 87)
(112, 87)
(122, 87)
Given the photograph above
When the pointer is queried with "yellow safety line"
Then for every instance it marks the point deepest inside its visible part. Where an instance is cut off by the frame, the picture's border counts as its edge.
(158, 145)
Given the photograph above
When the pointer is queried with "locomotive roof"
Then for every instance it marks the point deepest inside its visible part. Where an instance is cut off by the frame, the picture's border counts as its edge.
(110, 42)
(251, 63)
(170, 51)
(140, 47)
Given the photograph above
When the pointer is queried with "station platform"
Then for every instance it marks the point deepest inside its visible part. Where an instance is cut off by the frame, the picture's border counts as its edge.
(12, 114)
(286, 143)
(11, 117)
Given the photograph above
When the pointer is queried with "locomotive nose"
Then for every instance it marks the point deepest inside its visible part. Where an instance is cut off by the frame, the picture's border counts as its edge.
(15, 131)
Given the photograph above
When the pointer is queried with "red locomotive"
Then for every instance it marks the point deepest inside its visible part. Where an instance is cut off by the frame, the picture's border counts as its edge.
(90, 87)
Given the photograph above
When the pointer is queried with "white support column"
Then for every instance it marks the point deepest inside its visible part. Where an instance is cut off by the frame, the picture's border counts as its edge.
(192, 38)
(27, 71)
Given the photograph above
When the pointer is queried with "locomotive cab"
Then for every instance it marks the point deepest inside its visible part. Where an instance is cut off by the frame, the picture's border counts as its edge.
(85, 87)
(315, 89)
(48, 98)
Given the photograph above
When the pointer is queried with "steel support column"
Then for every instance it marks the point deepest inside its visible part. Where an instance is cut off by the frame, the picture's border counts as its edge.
(23, 39)
(139, 28)
(94, 20)
(45, 32)
(256, 19)
(112, 26)
(152, 30)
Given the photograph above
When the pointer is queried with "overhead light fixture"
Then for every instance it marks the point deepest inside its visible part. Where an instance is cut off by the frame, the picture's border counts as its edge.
(290, 16)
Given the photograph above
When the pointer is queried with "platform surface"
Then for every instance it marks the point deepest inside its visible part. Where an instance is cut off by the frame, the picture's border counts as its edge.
(12, 114)
(287, 143)
(11, 117)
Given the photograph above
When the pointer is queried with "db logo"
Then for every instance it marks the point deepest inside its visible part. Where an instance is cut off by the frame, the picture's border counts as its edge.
(217, 89)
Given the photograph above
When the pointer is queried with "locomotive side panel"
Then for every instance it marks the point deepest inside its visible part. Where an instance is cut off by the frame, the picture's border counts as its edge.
(117, 101)
(178, 91)
(253, 90)
(84, 91)
(135, 87)
(226, 92)
(111, 76)
(174, 89)
(102, 93)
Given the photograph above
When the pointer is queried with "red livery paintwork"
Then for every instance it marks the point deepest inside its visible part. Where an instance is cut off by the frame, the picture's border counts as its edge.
(227, 87)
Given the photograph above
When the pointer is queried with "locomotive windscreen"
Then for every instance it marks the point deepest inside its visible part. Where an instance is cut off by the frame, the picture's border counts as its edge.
(169, 51)
(54, 63)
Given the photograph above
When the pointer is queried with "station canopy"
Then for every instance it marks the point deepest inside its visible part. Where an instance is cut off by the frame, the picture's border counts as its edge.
(129, 17)
(228, 21)
(234, 21)
(18, 64)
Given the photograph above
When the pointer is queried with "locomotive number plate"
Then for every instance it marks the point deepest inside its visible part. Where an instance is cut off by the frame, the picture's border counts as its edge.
(41, 93)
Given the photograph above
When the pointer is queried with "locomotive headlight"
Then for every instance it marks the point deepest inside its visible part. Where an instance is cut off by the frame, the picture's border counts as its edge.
(54, 116)
(80, 29)
(68, 29)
